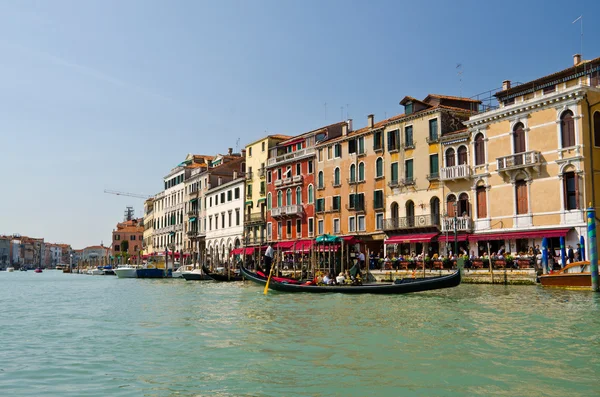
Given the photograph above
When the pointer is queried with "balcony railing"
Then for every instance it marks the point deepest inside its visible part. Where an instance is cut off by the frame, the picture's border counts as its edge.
(287, 210)
(393, 183)
(462, 224)
(410, 222)
(254, 218)
(354, 181)
(192, 212)
(262, 172)
(291, 156)
(462, 171)
(278, 182)
(408, 181)
(249, 175)
(434, 176)
(192, 233)
(297, 179)
(529, 159)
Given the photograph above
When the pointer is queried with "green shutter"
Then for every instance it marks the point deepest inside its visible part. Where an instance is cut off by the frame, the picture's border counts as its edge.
(433, 164)
(409, 169)
(395, 172)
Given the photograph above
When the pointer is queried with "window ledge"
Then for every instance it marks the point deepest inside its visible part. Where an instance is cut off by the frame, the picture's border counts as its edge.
(393, 150)
(379, 177)
(378, 149)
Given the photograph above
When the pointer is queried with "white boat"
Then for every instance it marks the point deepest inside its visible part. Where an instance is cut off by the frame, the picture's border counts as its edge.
(97, 272)
(182, 269)
(10, 269)
(126, 271)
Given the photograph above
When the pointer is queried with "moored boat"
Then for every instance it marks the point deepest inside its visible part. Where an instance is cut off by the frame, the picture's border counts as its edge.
(126, 271)
(222, 277)
(38, 270)
(10, 269)
(402, 286)
(196, 275)
(182, 269)
(574, 275)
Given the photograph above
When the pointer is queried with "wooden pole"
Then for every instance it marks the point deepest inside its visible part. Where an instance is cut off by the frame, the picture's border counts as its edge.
(342, 257)
(490, 261)
(367, 258)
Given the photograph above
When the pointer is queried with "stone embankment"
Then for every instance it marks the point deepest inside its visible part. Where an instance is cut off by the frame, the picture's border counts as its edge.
(479, 276)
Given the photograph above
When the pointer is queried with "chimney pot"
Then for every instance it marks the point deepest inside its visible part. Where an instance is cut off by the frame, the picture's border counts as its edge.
(235, 174)
(229, 151)
(344, 129)
(506, 85)
(371, 120)
(349, 125)
(576, 59)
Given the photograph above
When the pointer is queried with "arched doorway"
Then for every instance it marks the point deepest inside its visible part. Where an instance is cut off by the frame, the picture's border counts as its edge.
(434, 204)
(410, 213)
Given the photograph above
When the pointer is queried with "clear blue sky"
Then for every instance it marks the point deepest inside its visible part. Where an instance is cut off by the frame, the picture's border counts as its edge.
(113, 94)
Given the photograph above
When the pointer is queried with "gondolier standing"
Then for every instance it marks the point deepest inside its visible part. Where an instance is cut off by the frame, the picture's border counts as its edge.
(269, 254)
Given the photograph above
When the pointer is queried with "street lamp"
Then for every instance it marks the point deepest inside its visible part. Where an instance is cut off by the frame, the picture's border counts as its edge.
(71, 262)
(455, 231)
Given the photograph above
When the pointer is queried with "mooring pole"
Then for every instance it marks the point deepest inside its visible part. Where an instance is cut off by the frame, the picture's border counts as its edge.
(545, 255)
(593, 246)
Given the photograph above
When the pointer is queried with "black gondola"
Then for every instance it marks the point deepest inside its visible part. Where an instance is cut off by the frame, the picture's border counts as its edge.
(403, 286)
(221, 277)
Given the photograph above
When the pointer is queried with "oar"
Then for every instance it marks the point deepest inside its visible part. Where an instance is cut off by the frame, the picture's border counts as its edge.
(268, 280)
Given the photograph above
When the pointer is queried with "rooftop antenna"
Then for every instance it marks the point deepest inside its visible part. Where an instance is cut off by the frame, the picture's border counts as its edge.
(347, 112)
(237, 145)
(459, 72)
(580, 19)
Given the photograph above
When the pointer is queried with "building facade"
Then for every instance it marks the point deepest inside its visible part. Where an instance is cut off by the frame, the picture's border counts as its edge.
(127, 238)
(148, 238)
(5, 252)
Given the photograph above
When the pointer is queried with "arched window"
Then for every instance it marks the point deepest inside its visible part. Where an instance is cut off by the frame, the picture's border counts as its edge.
(450, 202)
(379, 168)
(434, 204)
(336, 177)
(394, 210)
(410, 214)
(596, 128)
(279, 199)
(361, 171)
(450, 158)
(463, 205)
(481, 202)
(567, 129)
(352, 173)
(298, 195)
(519, 142)
(288, 197)
(521, 195)
(479, 149)
(310, 194)
(571, 190)
(320, 183)
(462, 155)
(269, 203)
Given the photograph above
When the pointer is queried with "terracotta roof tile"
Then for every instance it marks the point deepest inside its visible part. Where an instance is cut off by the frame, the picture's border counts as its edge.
(453, 98)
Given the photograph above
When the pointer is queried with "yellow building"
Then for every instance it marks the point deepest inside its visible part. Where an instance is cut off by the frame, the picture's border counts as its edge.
(147, 245)
(257, 154)
(412, 151)
(531, 163)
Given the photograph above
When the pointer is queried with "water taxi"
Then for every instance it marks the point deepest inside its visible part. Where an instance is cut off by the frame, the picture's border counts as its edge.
(574, 275)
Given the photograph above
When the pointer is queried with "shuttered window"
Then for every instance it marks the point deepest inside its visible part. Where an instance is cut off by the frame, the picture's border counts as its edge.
(433, 130)
(521, 193)
(571, 190)
(450, 205)
(567, 129)
(434, 165)
(519, 142)
(596, 128)
(481, 202)
(450, 158)
(462, 155)
(394, 172)
(409, 170)
(479, 150)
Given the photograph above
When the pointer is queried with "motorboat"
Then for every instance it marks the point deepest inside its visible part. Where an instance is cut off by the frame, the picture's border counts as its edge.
(126, 271)
(23, 269)
(10, 269)
(196, 275)
(574, 275)
(182, 269)
(38, 270)
(108, 271)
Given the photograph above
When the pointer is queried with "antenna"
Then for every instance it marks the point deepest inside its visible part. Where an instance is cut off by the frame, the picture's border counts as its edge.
(459, 72)
(237, 145)
(347, 112)
(580, 19)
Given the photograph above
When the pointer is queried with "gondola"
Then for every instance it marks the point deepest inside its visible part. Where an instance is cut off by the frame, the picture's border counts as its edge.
(403, 286)
(221, 277)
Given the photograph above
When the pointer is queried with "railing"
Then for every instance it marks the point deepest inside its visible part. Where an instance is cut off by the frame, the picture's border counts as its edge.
(278, 182)
(409, 222)
(192, 212)
(249, 175)
(434, 176)
(520, 160)
(291, 156)
(261, 172)
(297, 179)
(254, 218)
(192, 233)
(294, 209)
(462, 224)
(393, 183)
(462, 171)
(408, 181)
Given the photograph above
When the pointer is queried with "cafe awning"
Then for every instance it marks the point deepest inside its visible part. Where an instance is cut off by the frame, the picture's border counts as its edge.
(283, 245)
(410, 238)
(527, 234)
(450, 238)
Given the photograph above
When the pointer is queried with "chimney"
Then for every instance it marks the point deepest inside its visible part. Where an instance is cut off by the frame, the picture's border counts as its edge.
(576, 59)
(230, 151)
(344, 129)
(349, 125)
(506, 85)
(371, 120)
(219, 181)
(234, 174)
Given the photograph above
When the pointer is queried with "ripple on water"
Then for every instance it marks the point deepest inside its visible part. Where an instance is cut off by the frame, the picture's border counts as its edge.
(73, 335)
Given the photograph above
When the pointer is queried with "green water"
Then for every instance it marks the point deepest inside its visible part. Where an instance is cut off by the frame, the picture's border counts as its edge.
(76, 335)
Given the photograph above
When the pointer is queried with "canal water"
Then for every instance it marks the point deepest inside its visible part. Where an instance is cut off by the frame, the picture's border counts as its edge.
(76, 335)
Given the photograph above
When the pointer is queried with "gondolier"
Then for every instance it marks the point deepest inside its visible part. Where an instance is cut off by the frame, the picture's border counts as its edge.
(269, 254)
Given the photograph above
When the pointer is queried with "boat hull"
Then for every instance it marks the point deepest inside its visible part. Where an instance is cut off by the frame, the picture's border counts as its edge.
(399, 287)
(195, 276)
(10, 269)
(127, 272)
(567, 280)
(222, 277)
(152, 273)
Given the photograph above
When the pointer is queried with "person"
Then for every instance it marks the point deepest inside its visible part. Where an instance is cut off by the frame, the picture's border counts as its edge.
(578, 253)
(269, 254)
(361, 259)
(570, 255)
(326, 279)
(501, 251)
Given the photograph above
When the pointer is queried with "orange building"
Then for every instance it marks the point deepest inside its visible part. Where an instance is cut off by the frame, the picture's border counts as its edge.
(128, 237)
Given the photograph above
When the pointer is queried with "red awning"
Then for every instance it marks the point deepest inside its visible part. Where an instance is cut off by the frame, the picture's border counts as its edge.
(293, 142)
(283, 245)
(327, 248)
(520, 235)
(459, 237)
(410, 238)
(350, 240)
(301, 246)
(236, 251)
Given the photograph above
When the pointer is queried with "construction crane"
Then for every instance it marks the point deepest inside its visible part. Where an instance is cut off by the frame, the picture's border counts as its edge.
(142, 196)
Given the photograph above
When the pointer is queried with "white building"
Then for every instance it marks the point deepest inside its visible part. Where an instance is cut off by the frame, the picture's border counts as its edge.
(168, 212)
(224, 204)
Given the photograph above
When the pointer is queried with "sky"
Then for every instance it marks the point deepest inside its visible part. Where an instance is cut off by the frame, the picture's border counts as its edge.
(111, 94)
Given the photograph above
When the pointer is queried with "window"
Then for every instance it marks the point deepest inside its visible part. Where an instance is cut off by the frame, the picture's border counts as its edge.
(250, 151)
(223, 221)
(351, 224)
(521, 195)
(320, 226)
(361, 223)
(479, 149)
(450, 157)
(310, 166)
(336, 203)
(278, 173)
(408, 136)
(210, 223)
(393, 140)
(337, 150)
(361, 145)
(378, 199)
(229, 219)
(279, 230)
(597, 128)
(320, 182)
(223, 195)
(408, 108)
(229, 195)
(288, 197)
(132, 237)
(249, 193)
(353, 173)
(378, 141)
(329, 152)
(379, 168)
(481, 202)
(550, 89)
(298, 169)
(298, 195)
(117, 248)
(463, 205)
(298, 228)
(117, 237)
(462, 155)
(336, 177)
(269, 177)
(379, 221)
(434, 167)
(236, 194)
(519, 141)
(288, 172)
(263, 188)
(450, 205)
(336, 226)
(262, 146)
(320, 205)
(571, 190)
(567, 129)
(216, 199)
(408, 170)
(351, 146)
(288, 228)
(361, 172)
(320, 155)
(394, 173)
(279, 199)
(299, 146)
(310, 194)
(433, 130)
(311, 226)
(269, 201)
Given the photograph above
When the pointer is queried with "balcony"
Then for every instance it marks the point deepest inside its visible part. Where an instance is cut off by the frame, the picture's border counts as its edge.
(462, 171)
(411, 222)
(287, 210)
(435, 176)
(393, 183)
(292, 156)
(192, 233)
(408, 181)
(278, 182)
(191, 213)
(531, 159)
(256, 218)
(297, 179)
(354, 181)
(249, 175)
(462, 224)
(262, 172)
(357, 207)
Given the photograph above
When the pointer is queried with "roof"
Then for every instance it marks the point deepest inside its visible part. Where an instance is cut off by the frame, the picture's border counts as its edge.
(338, 124)
(412, 99)
(452, 98)
(93, 247)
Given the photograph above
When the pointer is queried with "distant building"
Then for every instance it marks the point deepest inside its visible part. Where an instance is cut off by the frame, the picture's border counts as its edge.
(128, 237)
(95, 252)
(4, 252)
